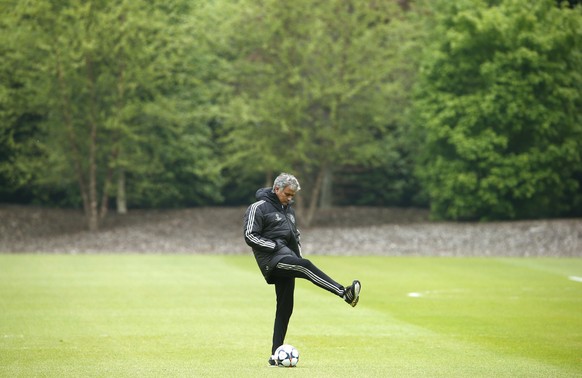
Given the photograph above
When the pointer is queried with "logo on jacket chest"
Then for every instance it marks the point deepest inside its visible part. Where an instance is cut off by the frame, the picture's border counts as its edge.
(279, 218)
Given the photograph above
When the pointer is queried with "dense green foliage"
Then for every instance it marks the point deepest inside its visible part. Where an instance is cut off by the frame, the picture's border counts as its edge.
(189, 316)
(500, 100)
(325, 81)
(471, 107)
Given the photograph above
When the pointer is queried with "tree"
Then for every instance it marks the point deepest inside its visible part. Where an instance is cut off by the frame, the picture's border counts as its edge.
(118, 80)
(499, 104)
(21, 154)
(314, 86)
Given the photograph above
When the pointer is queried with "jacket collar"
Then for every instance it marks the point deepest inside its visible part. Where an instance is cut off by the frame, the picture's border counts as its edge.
(268, 195)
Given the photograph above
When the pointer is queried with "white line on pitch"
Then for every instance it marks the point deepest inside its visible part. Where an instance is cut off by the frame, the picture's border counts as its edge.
(574, 278)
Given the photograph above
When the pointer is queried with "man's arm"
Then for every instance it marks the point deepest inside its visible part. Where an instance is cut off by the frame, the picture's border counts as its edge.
(253, 224)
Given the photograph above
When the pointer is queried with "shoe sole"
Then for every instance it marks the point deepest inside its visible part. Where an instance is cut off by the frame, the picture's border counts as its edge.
(357, 288)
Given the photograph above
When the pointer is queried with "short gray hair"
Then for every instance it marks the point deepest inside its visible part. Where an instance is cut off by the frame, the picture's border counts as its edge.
(284, 180)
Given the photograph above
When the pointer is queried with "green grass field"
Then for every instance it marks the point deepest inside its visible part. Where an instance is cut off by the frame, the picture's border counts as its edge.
(191, 316)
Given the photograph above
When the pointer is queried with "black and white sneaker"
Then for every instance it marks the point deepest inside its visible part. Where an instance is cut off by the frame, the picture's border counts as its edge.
(272, 362)
(352, 293)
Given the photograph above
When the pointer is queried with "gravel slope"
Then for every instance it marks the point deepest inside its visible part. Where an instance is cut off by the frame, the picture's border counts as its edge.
(341, 231)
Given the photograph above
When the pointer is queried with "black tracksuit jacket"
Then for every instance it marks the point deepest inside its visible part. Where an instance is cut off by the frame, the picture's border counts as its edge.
(270, 230)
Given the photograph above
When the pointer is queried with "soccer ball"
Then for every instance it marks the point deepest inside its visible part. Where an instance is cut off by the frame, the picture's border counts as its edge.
(287, 356)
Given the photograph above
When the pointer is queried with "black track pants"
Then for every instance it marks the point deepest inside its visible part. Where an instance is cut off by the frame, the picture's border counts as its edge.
(283, 277)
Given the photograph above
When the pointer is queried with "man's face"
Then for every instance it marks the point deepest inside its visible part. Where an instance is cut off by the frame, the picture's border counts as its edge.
(285, 195)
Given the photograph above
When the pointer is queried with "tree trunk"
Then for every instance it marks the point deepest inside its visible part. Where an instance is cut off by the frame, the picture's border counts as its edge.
(121, 195)
(105, 197)
(107, 185)
(111, 161)
(269, 179)
(93, 217)
(314, 197)
(326, 198)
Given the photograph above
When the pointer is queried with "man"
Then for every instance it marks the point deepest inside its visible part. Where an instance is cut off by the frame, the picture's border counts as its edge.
(271, 231)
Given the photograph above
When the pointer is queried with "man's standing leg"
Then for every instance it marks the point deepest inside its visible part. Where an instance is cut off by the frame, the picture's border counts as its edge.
(284, 289)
